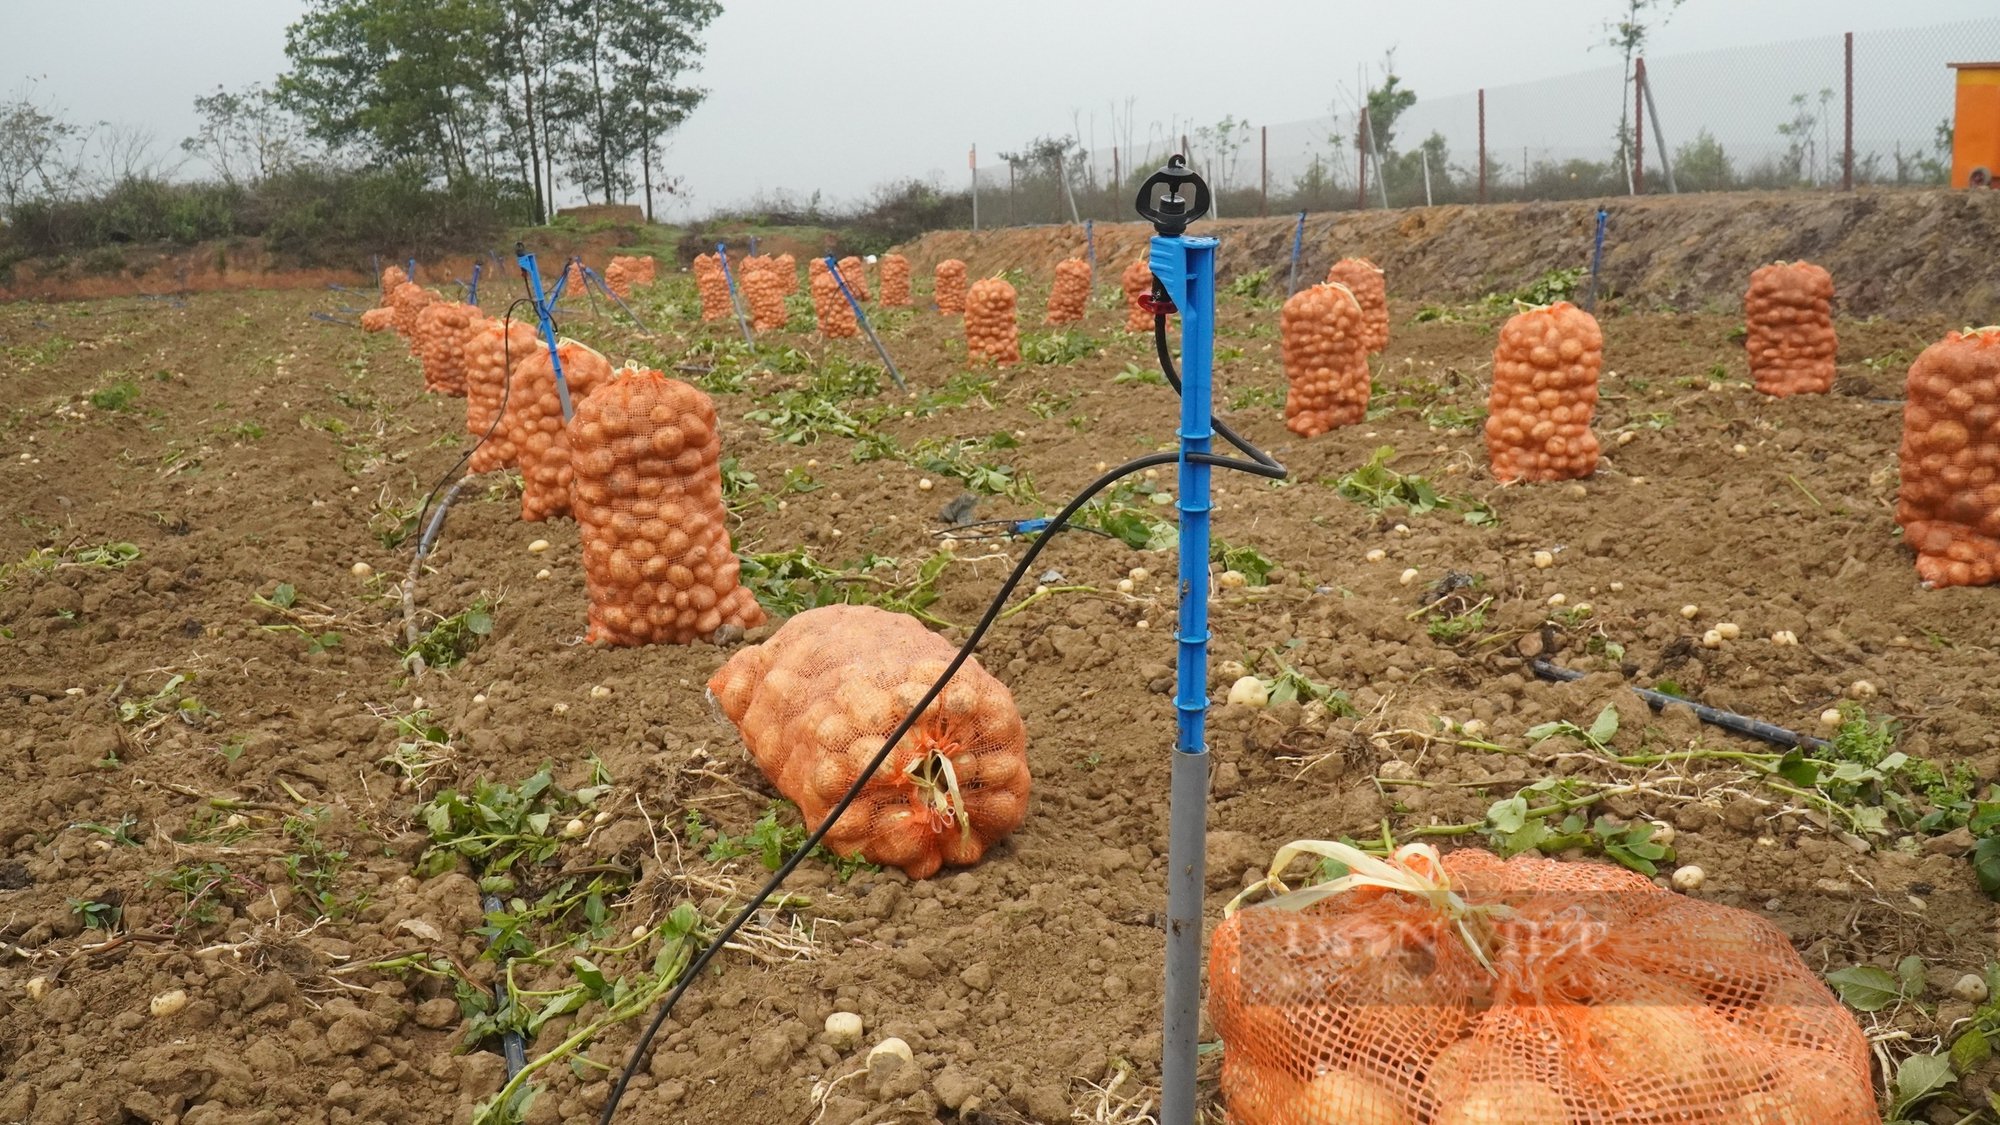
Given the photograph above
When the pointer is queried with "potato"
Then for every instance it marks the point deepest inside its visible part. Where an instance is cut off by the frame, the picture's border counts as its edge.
(1340, 1098)
(1512, 1101)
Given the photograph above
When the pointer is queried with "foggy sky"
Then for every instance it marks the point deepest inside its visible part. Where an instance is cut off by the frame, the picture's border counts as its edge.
(838, 97)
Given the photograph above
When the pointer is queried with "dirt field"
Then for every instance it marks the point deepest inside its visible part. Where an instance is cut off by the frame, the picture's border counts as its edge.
(207, 795)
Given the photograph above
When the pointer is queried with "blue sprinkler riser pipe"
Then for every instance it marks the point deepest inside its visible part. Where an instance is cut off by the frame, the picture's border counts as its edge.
(1186, 267)
(592, 278)
(861, 318)
(413, 269)
(1596, 261)
(735, 305)
(1090, 249)
(533, 274)
(1298, 244)
(472, 291)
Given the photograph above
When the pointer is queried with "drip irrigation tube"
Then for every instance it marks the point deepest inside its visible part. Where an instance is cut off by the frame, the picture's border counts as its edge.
(512, 1047)
(1727, 720)
(1258, 463)
(331, 319)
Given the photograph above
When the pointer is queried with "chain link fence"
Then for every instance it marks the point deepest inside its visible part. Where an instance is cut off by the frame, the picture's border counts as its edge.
(1824, 113)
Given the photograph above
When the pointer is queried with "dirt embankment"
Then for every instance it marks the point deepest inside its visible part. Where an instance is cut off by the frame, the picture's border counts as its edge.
(1892, 253)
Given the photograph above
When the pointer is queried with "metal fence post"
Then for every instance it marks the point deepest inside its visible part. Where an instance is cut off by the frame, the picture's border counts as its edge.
(1659, 136)
(1264, 170)
(1361, 150)
(1639, 127)
(972, 162)
(1482, 144)
(1847, 151)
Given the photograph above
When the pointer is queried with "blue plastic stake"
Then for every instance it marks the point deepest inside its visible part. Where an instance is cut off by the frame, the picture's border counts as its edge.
(528, 270)
(1298, 244)
(753, 244)
(1090, 249)
(861, 318)
(413, 269)
(1185, 265)
(735, 302)
(1596, 260)
(472, 291)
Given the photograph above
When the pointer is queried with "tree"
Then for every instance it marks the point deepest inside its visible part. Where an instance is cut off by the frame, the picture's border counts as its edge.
(1223, 144)
(1701, 165)
(1386, 103)
(37, 149)
(657, 41)
(245, 134)
(1627, 35)
(400, 80)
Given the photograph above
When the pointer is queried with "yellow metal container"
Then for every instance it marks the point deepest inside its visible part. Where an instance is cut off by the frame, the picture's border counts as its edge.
(1975, 132)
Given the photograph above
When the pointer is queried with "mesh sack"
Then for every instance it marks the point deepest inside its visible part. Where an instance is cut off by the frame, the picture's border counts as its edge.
(817, 700)
(392, 276)
(990, 329)
(713, 287)
(574, 286)
(406, 302)
(1320, 337)
(443, 329)
(1949, 504)
(854, 272)
(788, 272)
(618, 277)
(831, 311)
(1787, 312)
(896, 282)
(948, 286)
(494, 347)
(647, 497)
(1544, 392)
(1364, 279)
(1071, 291)
(535, 423)
(766, 297)
(1608, 1000)
(1137, 281)
(378, 319)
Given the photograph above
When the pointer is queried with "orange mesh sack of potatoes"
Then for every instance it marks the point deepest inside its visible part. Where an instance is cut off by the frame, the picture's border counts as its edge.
(378, 319)
(392, 276)
(494, 347)
(1321, 339)
(1470, 990)
(1137, 281)
(766, 295)
(713, 287)
(535, 423)
(1544, 392)
(618, 277)
(406, 302)
(831, 311)
(949, 286)
(574, 286)
(1788, 311)
(1949, 505)
(442, 331)
(895, 282)
(1071, 291)
(854, 272)
(648, 505)
(788, 272)
(816, 702)
(990, 328)
(1364, 279)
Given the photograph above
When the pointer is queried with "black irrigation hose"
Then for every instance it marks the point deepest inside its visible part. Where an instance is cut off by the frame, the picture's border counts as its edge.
(1727, 720)
(513, 1047)
(1260, 464)
(506, 390)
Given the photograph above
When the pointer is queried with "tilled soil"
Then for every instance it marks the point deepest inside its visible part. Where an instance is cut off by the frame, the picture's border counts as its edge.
(244, 837)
